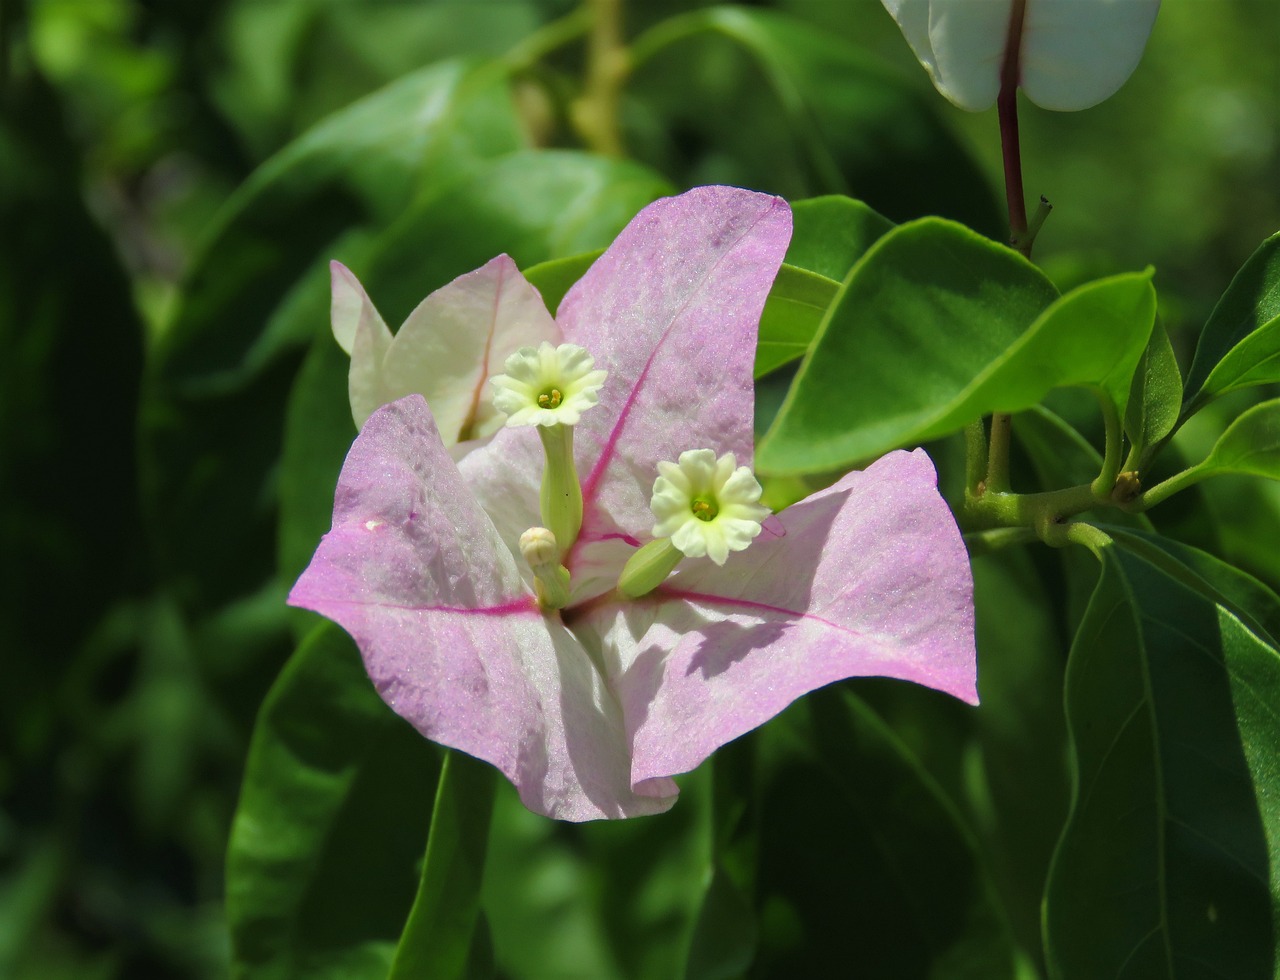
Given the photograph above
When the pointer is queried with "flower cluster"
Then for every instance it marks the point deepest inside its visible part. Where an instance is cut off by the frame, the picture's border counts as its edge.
(593, 637)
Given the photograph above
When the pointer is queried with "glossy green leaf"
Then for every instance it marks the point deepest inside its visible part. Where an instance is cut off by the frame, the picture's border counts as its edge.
(1156, 396)
(792, 315)
(336, 797)
(1240, 344)
(446, 936)
(925, 312)
(831, 233)
(1094, 335)
(534, 206)
(212, 414)
(555, 277)
(1250, 445)
(864, 860)
(1170, 861)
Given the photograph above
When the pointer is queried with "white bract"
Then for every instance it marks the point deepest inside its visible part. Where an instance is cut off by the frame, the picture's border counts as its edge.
(547, 385)
(707, 506)
(1072, 54)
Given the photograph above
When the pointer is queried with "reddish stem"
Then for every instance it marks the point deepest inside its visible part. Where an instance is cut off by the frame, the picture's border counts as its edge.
(1007, 106)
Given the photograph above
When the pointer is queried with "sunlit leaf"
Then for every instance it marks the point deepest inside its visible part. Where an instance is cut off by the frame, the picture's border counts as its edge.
(1156, 396)
(1250, 445)
(925, 312)
(831, 233)
(792, 315)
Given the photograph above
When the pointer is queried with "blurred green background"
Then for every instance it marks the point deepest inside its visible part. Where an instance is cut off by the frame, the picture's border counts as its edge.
(132, 681)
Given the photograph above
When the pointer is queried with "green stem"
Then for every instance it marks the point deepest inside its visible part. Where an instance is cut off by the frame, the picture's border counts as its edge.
(1076, 532)
(998, 457)
(975, 458)
(993, 539)
(608, 65)
(996, 510)
(561, 497)
(1162, 491)
(1114, 446)
(548, 39)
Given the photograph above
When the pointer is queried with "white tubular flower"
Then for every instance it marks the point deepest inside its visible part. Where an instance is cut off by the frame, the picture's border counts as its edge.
(707, 506)
(547, 385)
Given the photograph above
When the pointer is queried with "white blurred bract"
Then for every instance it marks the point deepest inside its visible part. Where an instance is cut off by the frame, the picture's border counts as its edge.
(1072, 54)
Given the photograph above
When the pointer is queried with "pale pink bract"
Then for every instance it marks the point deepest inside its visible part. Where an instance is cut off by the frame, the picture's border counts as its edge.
(591, 710)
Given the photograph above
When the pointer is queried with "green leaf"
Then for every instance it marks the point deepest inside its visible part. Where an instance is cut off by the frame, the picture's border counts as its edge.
(1244, 595)
(1250, 445)
(343, 50)
(1094, 335)
(555, 277)
(928, 309)
(532, 205)
(1156, 396)
(611, 898)
(803, 111)
(336, 795)
(831, 233)
(1060, 455)
(863, 858)
(793, 312)
(213, 408)
(1170, 861)
(445, 923)
(724, 939)
(1240, 344)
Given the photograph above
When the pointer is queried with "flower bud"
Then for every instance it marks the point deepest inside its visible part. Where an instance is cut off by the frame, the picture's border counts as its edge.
(538, 547)
(648, 568)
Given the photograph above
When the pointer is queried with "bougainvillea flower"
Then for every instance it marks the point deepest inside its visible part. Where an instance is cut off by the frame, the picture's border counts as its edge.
(591, 709)
(445, 351)
(1072, 54)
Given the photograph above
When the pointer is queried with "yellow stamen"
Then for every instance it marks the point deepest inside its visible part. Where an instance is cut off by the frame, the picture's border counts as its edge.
(550, 399)
(704, 510)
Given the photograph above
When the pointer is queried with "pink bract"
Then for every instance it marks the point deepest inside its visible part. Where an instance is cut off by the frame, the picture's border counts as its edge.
(591, 710)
